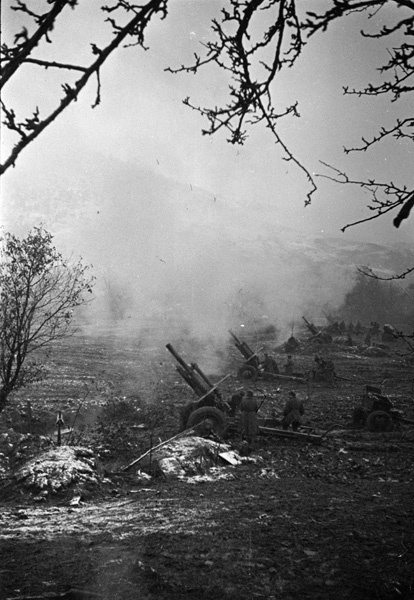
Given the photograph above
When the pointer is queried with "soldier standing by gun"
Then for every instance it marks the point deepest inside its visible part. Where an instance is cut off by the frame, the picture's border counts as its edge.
(293, 412)
(235, 402)
(270, 365)
(289, 366)
(325, 370)
(249, 422)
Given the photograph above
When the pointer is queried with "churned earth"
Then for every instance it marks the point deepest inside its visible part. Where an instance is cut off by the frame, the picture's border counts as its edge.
(297, 520)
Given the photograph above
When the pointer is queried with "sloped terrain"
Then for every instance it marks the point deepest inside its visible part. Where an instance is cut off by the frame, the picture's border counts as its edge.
(296, 521)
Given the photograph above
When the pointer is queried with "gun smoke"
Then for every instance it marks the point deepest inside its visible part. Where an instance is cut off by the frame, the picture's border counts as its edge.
(175, 261)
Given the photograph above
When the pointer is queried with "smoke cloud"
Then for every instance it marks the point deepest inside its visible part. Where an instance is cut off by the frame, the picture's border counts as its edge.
(175, 260)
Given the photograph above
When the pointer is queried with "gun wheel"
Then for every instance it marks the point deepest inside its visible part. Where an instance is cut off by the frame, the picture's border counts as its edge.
(248, 372)
(379, 420)
(208, 419)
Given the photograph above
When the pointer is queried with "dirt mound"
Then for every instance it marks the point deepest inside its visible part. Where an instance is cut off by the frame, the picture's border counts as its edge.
(17, 448)
(57, 470)
(191, 456)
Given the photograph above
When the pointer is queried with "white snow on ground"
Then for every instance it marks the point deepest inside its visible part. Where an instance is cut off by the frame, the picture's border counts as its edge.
(188, 456)
(191, 459)
(194, 458)
(117, 519)
(59, 468)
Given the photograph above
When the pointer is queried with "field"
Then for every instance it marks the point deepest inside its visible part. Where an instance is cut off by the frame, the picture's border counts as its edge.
(298, 521)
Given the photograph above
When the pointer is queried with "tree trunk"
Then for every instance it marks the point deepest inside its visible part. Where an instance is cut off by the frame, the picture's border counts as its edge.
(4, 394)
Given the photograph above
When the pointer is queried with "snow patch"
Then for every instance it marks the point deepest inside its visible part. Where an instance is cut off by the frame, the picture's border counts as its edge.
(59, 468)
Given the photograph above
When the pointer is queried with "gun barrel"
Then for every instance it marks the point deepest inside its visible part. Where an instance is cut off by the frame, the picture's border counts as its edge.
(310, 326)
(196, 368)
(236, 339)
(192, 374)
(178, 357)
(195, 384)
(243, 347)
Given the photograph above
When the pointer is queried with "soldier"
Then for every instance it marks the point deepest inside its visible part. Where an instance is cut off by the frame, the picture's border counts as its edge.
(289, 365)
(375, 328)
(235, 402)
(249, 421)
(270, 365)
(325, 370)
(292, 413)
(330, 375)
(320, 364)
(334, 328)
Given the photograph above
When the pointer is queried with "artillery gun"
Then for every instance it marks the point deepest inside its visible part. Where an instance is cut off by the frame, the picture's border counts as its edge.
(212, 413)
(376, 412)
(389, 334)
(252, 368)
(210, 409)
(319, 336)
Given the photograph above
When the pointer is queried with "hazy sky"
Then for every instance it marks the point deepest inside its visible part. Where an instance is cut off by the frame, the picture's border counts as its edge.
(110, 182)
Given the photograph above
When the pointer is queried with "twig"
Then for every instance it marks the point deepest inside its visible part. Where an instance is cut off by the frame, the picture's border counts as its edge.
(137, 460)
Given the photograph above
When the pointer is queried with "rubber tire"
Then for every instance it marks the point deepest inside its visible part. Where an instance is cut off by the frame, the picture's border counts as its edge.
(379, 420)
(215, 416)
(248, 372)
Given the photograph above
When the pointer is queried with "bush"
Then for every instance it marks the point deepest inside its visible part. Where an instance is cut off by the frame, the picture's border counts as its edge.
(115, 432)
(121, 409)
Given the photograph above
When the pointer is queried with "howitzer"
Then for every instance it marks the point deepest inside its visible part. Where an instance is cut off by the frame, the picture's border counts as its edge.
(375, 411)
(209, 411)
(320, 336)
(193, 375)
(311, 327)
(250, 356)
(251, 369)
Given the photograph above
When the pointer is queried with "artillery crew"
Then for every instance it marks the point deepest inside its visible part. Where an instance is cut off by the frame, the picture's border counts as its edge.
(375, 328)
(248, 417)
(293, 412)
(270, 365)
(289, 365)
(235, 402)
(325, 370)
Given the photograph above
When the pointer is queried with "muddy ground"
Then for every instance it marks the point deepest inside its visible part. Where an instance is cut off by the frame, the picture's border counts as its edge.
(299, 521)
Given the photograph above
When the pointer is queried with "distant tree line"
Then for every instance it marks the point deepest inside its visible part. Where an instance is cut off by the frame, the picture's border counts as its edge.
(383, 301)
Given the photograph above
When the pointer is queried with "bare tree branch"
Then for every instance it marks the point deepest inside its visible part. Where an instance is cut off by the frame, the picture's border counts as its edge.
(368, 272)
(135, 27)
(252, 58)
